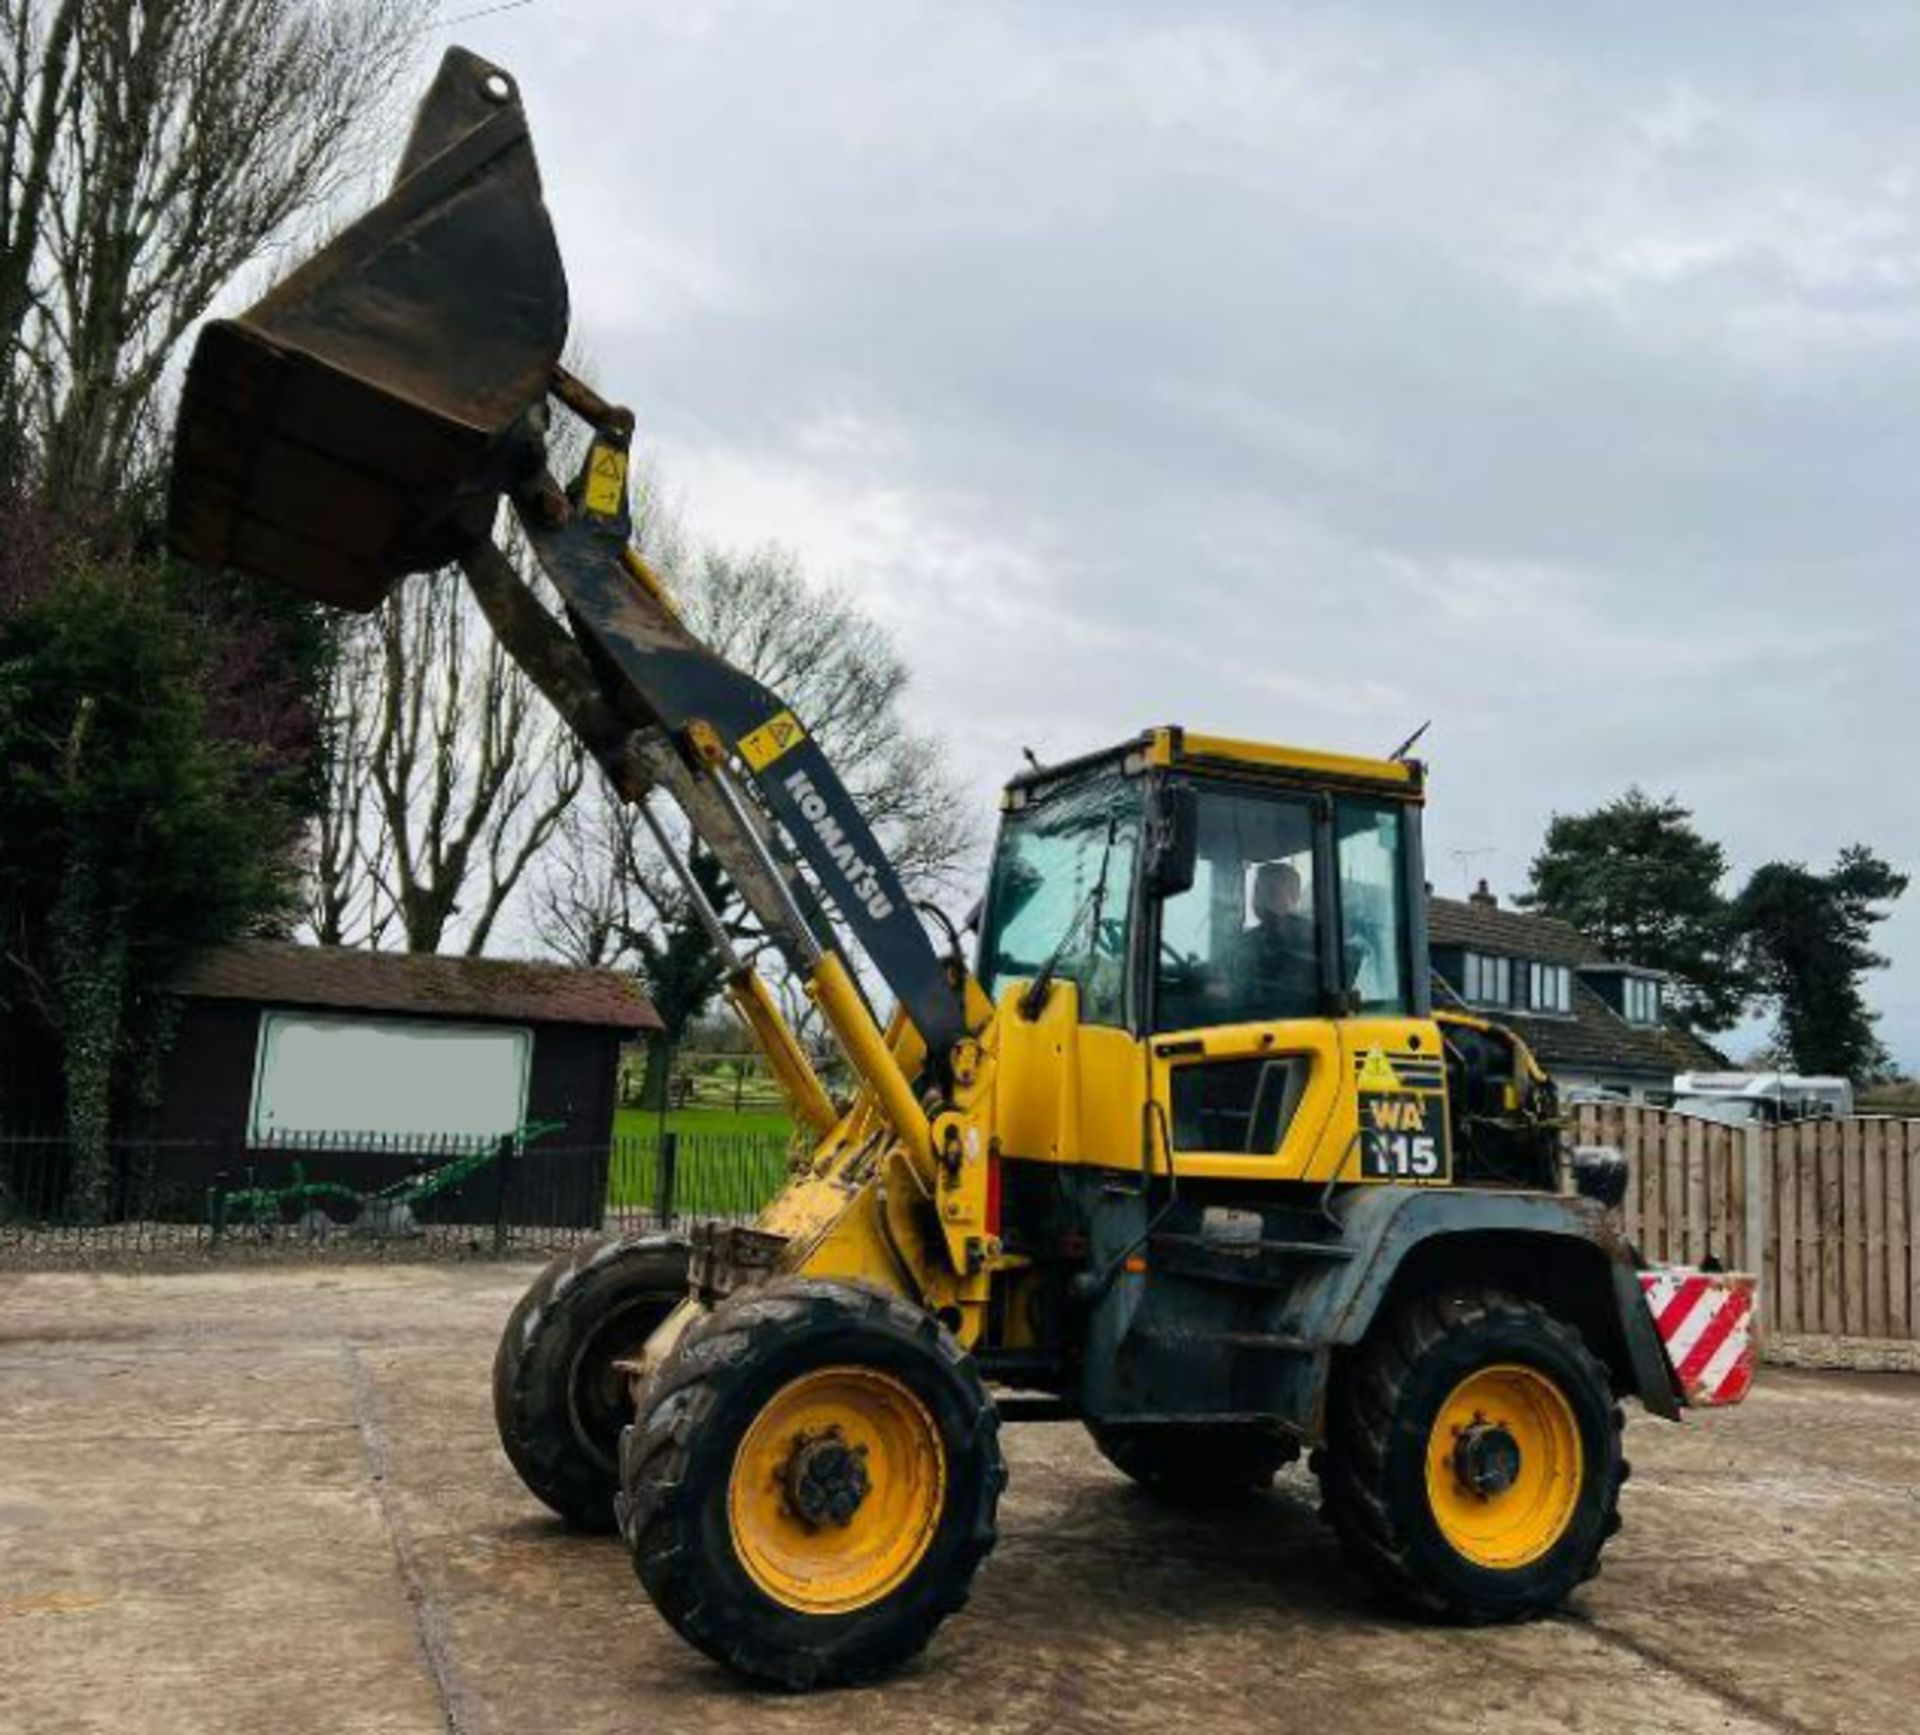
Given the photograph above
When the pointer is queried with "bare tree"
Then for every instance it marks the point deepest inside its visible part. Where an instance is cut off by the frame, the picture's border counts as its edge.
(590, 886)
(39, 44)
(150, 150)
(447, 778)
(341, 907)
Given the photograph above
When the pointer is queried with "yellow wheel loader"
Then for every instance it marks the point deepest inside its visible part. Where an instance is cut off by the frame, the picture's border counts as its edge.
(1184, 1153)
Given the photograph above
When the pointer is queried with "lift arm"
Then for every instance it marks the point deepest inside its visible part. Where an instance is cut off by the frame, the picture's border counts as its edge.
(722, 713)
(636, 761)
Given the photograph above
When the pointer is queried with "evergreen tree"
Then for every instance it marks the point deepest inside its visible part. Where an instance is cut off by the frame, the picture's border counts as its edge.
(1809, 938)
(145, 814)
(1637, 878)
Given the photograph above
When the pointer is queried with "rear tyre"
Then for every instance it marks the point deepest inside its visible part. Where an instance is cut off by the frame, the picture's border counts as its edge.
(1473, 1467)
(1199, 1465)
(812, 1482)
(558, 1401)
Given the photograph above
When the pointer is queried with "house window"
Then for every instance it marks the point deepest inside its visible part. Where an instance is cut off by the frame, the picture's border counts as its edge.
(1640, 999)
(1489, 981)
(1549, 987)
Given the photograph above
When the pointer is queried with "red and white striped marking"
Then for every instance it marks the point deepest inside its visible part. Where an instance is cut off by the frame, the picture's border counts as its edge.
(1705, 1319)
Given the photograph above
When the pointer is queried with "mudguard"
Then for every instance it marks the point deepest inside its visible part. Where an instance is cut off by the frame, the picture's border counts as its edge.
(1246, 1343)
(1387, 1226)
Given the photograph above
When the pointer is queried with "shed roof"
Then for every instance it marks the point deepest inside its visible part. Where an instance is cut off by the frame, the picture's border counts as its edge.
(278, 973)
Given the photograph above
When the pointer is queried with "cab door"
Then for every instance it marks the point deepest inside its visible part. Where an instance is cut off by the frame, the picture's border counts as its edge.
(1287, 1036)
(1244, 1063)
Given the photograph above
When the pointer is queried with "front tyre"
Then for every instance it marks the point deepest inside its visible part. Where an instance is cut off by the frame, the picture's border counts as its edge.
(812, 1483)
(1474, 1466)
(558, 1400)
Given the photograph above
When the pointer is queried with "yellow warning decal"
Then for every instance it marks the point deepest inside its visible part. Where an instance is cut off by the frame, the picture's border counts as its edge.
(606, 489)
(762, 746)
(1376, 1072)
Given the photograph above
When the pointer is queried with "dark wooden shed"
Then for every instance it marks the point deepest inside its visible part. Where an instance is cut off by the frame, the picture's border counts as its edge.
(365, 1067)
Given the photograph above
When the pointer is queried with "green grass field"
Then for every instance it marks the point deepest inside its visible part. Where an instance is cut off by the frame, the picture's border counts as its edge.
(644, 1123)
(729, 1164)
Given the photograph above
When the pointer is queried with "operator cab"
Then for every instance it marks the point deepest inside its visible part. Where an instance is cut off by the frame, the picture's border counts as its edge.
(1254, 917)
(1250, 916)
(1187, 882)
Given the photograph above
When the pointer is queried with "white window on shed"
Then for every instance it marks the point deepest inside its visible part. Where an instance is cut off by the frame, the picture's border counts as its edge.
(325, 1081)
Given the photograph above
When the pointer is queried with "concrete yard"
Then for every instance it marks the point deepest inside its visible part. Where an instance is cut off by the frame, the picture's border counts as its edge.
(270, 1499)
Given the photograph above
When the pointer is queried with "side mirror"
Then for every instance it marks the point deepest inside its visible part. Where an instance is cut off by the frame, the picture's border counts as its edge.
(1173, 841)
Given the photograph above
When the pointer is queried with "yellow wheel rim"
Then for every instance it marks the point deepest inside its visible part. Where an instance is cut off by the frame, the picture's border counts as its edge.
(837, 1490)
(1504, 1466)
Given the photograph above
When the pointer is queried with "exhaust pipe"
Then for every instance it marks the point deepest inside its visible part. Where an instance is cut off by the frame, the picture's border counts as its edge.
(361, 420)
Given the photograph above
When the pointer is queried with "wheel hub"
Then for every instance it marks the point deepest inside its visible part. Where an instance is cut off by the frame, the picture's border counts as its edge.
(837, 1490)
(1486, 1458)
(1506, 1470)
(826, 1479)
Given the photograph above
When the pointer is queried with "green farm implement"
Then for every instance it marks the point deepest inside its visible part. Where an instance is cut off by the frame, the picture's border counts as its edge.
(384, 1213)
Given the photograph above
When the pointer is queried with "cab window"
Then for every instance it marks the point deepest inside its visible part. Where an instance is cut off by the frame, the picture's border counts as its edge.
(1062, 893)
(1373, 906)
(1240, 945)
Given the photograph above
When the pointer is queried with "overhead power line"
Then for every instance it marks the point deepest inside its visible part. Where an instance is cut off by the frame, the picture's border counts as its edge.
(484, 12)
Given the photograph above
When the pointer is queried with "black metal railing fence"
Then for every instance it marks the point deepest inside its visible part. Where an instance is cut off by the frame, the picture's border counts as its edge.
(368, 1193)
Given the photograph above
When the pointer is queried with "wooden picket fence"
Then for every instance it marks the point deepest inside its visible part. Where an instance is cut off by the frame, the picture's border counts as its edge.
(1825, 1213)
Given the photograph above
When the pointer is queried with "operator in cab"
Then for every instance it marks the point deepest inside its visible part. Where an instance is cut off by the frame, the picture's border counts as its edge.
(1275, 969)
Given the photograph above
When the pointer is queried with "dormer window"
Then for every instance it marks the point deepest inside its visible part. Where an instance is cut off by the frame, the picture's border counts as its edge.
(1640, 1000)
(1489, 980)
(1550, 988)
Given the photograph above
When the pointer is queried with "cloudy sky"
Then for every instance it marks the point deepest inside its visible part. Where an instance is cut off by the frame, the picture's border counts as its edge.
(1301, 371)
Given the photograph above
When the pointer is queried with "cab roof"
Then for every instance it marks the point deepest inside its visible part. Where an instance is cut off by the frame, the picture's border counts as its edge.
(1186, 749)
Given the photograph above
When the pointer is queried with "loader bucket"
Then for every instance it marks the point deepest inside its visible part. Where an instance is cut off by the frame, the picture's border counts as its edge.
(358, 422)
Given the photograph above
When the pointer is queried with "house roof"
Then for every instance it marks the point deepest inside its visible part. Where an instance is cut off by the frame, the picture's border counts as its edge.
(1595, 1037)
(277, 973)
(1462, 922)
(1598, 1039)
